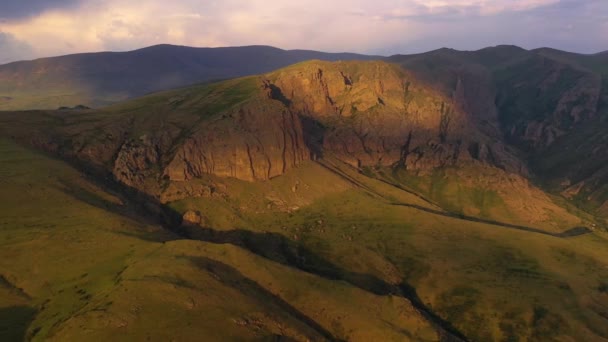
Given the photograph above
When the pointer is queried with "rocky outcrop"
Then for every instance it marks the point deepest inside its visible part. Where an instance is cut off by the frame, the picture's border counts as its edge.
(541, 99)
(132, 163)
(179, 190)
(193, 218)
(375, 113)
(138, 160)
(257, 141)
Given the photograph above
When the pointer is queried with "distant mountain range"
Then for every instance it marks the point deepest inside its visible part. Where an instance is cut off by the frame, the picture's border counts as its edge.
(97, 79)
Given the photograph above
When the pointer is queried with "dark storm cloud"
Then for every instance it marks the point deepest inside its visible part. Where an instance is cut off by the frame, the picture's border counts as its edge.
(19, 9)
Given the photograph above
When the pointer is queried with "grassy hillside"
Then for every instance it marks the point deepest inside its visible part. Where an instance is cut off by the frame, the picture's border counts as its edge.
(488, 281)
(78, 263)
(356, 253)
(596, 62)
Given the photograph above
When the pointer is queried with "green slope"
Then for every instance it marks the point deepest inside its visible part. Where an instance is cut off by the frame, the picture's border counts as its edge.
(80, 263)
(488, 281)
(77, 263)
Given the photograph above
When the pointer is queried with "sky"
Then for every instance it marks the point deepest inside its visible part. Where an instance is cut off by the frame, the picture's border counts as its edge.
(40, 28)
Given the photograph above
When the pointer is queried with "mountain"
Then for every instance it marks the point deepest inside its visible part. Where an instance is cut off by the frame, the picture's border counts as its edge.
(596, 62)
(97, 79)
(351, 200)
(549, 105)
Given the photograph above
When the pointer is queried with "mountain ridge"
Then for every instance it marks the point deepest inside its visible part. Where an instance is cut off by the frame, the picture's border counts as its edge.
(177, 46)
(101, 78)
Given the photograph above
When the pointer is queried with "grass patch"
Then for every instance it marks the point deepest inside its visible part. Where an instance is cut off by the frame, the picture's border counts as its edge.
(546, 324)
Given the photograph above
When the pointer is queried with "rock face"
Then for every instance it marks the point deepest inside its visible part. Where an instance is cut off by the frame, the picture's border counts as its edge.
(257, 141)
(374, 113)
(364, 113)
(135, 161)
(540, 100)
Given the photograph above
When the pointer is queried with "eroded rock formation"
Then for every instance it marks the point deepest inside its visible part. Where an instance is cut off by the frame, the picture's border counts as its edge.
(257, 141)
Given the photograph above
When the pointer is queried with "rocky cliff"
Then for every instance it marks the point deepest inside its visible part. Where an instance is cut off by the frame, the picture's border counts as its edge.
(375, 113)
(257, 141)
(540, 99)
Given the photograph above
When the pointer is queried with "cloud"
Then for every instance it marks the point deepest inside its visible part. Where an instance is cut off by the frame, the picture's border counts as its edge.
(461, 9)
(579, 26)
(380, 26)
(12, 49)
(17, 9)
(484, 7)
(121, 25)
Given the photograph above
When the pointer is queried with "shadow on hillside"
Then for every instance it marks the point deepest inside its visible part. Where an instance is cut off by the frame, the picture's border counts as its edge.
(272, 246)
(278, 248)
(314, 137)
(231, 277)
(14, 322)
(573, 232)
(133, 210)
